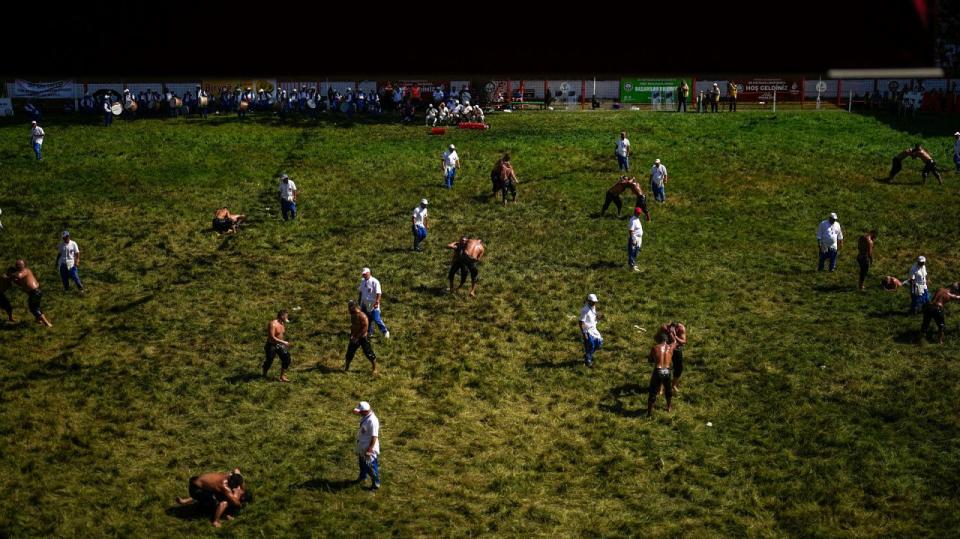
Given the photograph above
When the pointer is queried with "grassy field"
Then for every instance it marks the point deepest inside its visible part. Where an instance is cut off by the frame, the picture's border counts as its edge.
(827, 420)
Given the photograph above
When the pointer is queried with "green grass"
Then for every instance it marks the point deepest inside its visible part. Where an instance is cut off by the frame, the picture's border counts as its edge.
(827, 420)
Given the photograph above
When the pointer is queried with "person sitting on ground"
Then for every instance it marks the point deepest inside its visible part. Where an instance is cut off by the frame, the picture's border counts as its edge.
(934, 310)
(466, 254)
(218, 492)
(890, 283)
(225, 222)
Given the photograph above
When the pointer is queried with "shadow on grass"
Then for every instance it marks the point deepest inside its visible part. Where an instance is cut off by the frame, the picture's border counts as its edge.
(124, 307)
(326, 485)
(13, 326)
(436, 291)
(187, 512)
(911, 336)
(325, 369)
(889, 314)
(561, 365)
(621, 391)
(243, 378)
(834, 287)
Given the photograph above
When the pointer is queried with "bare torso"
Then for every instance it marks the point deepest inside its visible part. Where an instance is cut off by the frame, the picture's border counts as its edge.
(213, 481)
(26, 281)
(358, 325)
(275, 331)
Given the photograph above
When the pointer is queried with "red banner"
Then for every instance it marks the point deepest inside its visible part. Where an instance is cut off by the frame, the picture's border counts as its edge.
(763, 89)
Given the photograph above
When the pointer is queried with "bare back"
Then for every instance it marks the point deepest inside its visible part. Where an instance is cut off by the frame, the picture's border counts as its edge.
(222, 213)
(619, 187)
(661, 355)
(213, 481)
(474, 249)
(923, 154)
(944, 296)
(865, 246)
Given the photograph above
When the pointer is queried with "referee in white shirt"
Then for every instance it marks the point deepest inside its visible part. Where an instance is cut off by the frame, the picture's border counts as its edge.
(830, 240)
(36, 137)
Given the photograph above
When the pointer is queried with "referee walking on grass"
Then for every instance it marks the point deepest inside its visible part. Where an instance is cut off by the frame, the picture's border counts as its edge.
(368, 445)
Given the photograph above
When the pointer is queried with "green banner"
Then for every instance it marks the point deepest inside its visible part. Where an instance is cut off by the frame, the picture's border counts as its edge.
(652, 91)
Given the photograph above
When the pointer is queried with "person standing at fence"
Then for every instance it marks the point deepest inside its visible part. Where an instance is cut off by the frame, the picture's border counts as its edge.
(36, 137)
(682, 92)
(714, 98)
(107, 113)
(623, 152)
(830, 241)
(203, 101)
(956, 150)
(731, 96)
(658, 181)
(288, 197)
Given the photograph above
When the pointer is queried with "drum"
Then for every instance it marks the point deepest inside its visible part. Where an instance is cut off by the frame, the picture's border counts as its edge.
(176, 103)
(311, 103)
(204, 101)
(130, 105)
(244, 105)
(116, 109)
(345, 107)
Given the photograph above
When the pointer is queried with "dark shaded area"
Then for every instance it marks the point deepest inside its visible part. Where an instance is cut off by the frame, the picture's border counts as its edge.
(244, 377)
(187, 512)
(620, 392)
(326, 485)
(551, 365)
(730, 37)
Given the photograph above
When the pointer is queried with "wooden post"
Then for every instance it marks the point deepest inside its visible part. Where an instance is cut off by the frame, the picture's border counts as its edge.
(803, 91)
(839, 91)
(583, 90)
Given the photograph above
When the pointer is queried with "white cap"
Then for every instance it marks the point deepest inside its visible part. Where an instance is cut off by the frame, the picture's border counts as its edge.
(452, 147)
(365, 271)
(423, 201)
(592, 298)
(922, 259)
(656, 161)
(833, 216)
(33, 122)
(364, 406)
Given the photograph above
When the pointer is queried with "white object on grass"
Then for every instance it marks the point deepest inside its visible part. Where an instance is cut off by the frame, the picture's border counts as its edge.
(709, 424)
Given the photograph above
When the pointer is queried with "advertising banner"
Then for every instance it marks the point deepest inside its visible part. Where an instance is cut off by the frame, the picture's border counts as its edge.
(651, 91)
(6, 106)
(762, 89)
(60, 89)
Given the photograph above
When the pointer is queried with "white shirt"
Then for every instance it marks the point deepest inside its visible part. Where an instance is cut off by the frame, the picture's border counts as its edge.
(636, 229)
(369, 289)
(588, 315)
(622, 146)
(450, 159)
(419, 215)
(919, 276)
(369, 427)
(68, 253)
(657, 174)
(37, 135)
(287, 190)
(828, 234)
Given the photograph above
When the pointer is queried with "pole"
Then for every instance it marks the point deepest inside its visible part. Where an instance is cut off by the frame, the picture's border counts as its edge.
(774, 100)
(839, 91)
(583, 90)
(803, 91)
(850, 102)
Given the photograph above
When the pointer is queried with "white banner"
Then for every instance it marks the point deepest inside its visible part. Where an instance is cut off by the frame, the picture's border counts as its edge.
(6, 106)
(61, 89)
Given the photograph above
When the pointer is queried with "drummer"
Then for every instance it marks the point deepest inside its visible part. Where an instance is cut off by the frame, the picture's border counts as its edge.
(107, 112)
(129, 112)
(201, 94)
